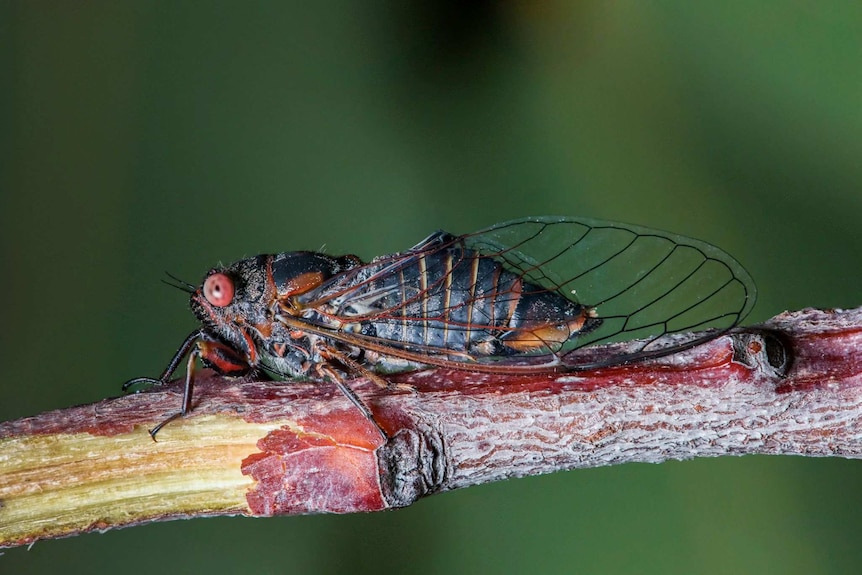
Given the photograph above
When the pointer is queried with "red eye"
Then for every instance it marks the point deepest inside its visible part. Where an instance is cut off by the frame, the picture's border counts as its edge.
(218, 289)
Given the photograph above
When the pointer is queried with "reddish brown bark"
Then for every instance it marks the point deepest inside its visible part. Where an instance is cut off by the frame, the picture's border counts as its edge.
(791, 386)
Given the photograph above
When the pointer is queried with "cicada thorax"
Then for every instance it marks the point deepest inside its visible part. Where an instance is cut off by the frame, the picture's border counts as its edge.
(285, 277)
(296, 273)
(455, 300)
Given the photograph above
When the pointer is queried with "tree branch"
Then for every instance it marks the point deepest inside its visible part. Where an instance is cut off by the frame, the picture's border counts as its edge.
(790, 386)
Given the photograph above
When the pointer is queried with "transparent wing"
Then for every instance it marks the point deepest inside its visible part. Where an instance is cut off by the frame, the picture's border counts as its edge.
(643, 283)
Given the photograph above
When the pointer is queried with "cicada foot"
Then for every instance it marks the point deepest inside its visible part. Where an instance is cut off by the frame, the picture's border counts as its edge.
(149, 382)
(158, 427)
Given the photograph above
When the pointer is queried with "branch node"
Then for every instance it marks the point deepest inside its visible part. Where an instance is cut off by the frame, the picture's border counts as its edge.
(413, 465)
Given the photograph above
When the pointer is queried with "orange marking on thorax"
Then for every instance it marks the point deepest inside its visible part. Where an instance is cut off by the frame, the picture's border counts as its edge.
(264, 329)
(298, 286)
(302, 283)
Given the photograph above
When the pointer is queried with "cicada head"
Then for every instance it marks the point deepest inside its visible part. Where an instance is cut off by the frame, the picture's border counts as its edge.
(234, 303)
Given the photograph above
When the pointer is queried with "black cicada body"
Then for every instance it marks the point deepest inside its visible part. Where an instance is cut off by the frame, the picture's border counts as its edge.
(519, 297)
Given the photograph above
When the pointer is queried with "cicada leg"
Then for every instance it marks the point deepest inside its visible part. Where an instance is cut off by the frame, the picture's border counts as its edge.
(326, 371)
(187, 393)
(367, 373)
(222, 358)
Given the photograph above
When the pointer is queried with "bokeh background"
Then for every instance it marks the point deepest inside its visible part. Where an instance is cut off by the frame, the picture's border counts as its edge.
(150, 136)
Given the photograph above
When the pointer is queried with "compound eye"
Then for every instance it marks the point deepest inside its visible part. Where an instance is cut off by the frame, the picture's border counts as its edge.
(218, 289)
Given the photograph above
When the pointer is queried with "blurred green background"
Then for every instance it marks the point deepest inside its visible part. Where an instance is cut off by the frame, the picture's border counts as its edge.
(150, 136)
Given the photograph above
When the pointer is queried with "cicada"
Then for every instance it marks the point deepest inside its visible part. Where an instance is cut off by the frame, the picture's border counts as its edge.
(519, 297)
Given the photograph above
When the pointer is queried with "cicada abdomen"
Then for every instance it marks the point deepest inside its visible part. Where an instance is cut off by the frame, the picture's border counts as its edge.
(442, 298)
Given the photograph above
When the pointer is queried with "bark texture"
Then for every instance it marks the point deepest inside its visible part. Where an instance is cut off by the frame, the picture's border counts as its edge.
(790, 386)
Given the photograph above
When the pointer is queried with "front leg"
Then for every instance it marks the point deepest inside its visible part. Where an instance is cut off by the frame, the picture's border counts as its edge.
(213, 353)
